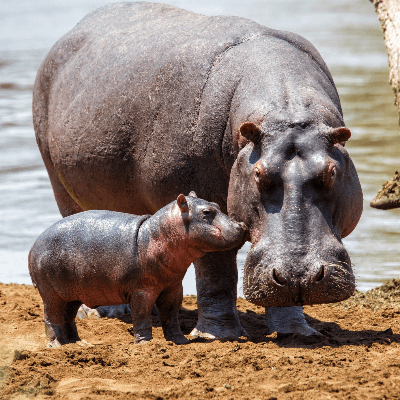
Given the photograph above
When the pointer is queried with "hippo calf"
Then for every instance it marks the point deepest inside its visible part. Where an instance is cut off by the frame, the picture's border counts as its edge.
(102, 258)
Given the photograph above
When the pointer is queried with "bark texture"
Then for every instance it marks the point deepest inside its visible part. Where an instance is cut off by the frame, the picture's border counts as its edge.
(389, 14)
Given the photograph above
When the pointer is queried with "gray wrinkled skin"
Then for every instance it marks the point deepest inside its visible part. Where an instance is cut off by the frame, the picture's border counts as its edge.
(288, 320)
(104, 258)
(141, 102)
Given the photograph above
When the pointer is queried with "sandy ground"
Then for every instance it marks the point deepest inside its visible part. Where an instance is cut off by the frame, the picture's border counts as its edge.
(357, 358)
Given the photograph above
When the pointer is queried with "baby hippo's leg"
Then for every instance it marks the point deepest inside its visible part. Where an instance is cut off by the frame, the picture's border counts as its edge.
(168, 303)
(70, 329)
(141, 304)
(59, 318)
(53, 324)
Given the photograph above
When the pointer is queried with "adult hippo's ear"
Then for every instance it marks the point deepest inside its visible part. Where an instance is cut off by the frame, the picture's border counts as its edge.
(193, 194)
(251, 132)
(340, 135)
(182, 203)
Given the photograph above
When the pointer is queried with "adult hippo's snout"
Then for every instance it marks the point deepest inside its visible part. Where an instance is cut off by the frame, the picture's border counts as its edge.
(299, 281)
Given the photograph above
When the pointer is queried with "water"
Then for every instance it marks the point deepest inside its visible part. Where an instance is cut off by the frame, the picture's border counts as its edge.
(347, 34)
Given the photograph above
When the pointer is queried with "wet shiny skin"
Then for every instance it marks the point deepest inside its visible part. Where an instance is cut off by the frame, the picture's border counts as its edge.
(103, 258)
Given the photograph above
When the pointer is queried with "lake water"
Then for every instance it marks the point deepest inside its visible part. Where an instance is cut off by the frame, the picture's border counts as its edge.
(347, 34)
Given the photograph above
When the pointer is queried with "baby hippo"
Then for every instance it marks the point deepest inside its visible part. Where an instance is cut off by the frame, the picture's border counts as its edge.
(101, 258)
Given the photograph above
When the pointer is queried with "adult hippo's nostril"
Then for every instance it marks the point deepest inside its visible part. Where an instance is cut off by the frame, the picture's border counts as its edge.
(320, 274)
(278, 279)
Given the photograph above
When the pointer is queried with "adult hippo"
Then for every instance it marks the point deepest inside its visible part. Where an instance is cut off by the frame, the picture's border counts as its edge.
(141, 102)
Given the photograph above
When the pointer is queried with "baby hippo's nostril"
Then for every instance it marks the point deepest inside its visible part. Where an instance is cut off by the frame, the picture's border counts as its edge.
(320, 274)
(278, 279)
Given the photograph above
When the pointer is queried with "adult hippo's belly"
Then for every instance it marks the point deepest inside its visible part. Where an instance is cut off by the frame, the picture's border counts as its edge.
(141, 102)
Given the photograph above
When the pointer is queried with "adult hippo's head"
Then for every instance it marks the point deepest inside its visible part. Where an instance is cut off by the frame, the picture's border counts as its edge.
(296, 188)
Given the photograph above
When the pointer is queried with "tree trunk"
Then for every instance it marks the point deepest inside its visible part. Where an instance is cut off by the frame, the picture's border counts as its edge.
(389, 14)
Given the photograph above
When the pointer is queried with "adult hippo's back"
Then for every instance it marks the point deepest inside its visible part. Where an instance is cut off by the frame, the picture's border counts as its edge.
(141, 102)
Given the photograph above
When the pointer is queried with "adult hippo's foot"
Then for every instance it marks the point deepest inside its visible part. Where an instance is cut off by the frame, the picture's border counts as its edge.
(103, 311)
(288, 320)
(107, 311)
(216, 284)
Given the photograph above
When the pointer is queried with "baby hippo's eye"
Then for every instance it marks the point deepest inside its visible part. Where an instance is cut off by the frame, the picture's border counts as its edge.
(208, 213)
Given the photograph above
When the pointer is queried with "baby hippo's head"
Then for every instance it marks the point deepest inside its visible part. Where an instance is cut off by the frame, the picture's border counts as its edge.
(208, 228)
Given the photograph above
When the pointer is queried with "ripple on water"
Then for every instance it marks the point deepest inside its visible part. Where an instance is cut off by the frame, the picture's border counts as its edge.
(348, 36)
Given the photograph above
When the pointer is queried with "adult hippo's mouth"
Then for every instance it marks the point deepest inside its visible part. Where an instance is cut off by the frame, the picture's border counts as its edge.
(277, 284)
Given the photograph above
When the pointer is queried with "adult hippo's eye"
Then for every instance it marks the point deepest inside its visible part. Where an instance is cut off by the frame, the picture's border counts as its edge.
(257, 174)
(261, 176)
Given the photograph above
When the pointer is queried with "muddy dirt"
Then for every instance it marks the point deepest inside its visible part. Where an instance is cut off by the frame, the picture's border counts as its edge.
(358, 356)
(389, 196)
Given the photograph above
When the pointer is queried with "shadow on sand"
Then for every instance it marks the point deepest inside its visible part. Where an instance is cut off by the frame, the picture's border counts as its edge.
(254, 324)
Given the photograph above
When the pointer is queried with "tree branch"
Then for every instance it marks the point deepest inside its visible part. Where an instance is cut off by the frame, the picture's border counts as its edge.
(389, 14)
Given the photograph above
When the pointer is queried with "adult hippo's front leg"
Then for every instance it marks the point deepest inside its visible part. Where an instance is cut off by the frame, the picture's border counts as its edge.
(216, 284)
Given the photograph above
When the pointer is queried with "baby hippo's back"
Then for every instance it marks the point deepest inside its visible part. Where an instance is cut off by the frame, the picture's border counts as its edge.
(94, 250)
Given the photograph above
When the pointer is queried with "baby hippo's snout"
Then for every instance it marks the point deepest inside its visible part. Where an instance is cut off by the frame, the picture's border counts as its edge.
(233, 233)
(213, 230)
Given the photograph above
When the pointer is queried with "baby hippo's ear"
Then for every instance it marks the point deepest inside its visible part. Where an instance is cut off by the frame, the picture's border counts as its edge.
(193, 194)
(183, 205)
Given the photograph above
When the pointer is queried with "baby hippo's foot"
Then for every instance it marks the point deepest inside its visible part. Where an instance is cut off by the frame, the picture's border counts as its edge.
(177, 339)
(143, 333)
(139, 339)
(53, 344)
(288, 320)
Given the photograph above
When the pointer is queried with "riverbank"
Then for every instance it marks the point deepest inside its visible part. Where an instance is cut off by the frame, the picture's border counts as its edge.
(357, 357)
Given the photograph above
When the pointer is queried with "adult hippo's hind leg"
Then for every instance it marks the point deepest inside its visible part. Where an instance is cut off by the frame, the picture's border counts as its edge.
(66, 204)
(216, 283)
